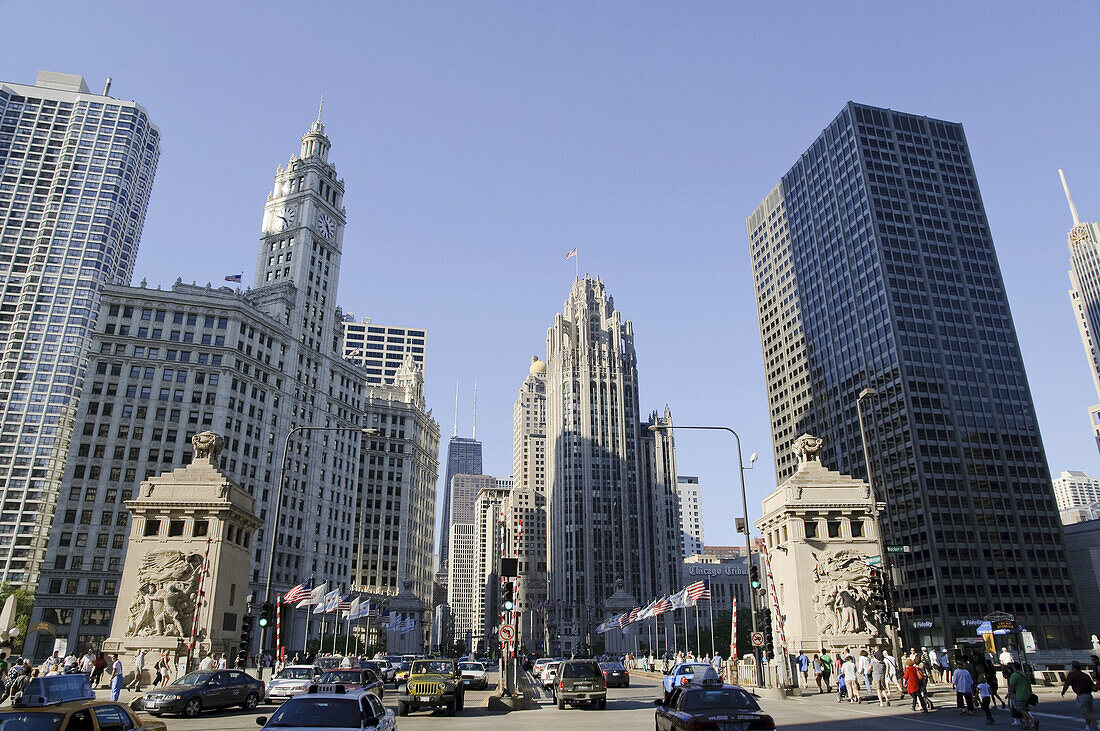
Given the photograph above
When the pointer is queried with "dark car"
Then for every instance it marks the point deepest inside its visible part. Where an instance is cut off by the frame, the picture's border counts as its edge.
(580, 681)
(616, 674)
(711, 705)
(196, 692)
(361, 678)
(385, 670)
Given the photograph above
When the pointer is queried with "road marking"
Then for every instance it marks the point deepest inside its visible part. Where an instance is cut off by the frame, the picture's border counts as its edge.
(1053, 715)
(906, 718)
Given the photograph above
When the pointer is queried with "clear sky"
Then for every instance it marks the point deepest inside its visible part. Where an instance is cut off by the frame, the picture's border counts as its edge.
(481, 141)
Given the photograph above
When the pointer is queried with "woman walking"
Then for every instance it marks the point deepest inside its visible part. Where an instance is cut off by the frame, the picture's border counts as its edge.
(97, 669)
(851, 678)
(914, 683)
(994, 684)
(818, 669)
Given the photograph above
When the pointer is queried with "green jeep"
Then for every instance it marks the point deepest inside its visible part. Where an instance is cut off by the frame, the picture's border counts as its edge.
(432, 684)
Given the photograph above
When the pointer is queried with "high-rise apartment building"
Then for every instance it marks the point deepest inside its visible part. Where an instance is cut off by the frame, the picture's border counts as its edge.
(691, 519)
(463, 458)
(1084, 294)
(492, 537)
(611, 483)
(874, 267)
(526, 506)
(76, 170)
(381, 349)
(463, 594)
(1073, 489)
(252, 366)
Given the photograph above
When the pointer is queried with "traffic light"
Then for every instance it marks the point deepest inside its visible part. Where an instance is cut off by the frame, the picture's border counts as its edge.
(246, 631)
(754, 577)
(267, 615)
(766, 628)
(508, 596)
(877, 589)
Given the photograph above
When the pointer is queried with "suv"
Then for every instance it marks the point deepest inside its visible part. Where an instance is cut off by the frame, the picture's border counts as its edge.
(580, 681)
(434, 684)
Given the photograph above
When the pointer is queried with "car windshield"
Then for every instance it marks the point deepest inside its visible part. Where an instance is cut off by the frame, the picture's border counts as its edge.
(581, 670)
(441, 667)
(612, 666)
(471, 666)
(23, 721)
(329, 662)
(690, 669)
(710, 699)
(295, 674)
(189, 679)
(341, 676)
(317, 713)
(401, 665)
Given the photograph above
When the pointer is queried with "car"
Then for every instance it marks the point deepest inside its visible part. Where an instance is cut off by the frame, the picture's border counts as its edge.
(616, 674)
(474, 675)
(401, 672)
(329, 662)
(331, 707)
(710, 704)
(538, 665)
(354, 678)
(433, 684)
(385, 670)
(682, 674)
(549, 672)
(195, 692)
(291, 680)
(580, 681)
(67, 703)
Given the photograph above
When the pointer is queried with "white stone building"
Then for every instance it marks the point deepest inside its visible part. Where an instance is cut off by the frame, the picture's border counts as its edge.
(463, 592)
(1074, 489)
(76, 170)
(691, 519)
(492, 536)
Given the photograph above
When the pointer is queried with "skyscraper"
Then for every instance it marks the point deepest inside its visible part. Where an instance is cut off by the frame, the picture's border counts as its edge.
(1084, 294)
(463, 458)
(76, 170)
(611, 483)
(381, 349)
(463, 593)
(691, 519)
(874, 267)
(1074, 489)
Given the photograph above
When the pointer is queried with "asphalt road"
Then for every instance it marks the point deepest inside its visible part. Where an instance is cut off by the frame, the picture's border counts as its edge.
(632, 708)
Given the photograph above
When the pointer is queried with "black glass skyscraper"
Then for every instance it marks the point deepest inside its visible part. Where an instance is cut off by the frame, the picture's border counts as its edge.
(463, 458)
(874, 267)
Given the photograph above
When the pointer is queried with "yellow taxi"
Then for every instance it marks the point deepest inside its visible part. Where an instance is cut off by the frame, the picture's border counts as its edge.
(67, 703)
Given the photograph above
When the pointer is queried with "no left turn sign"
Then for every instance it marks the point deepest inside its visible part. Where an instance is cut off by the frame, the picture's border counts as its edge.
(508, 633)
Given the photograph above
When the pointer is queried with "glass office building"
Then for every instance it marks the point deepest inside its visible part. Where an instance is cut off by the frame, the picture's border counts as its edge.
(463, 458)
(874, 267)
(76, 170)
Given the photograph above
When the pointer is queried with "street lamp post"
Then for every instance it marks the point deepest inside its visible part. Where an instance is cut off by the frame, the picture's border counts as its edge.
(874, 512)
(745, 508)
(367, 431)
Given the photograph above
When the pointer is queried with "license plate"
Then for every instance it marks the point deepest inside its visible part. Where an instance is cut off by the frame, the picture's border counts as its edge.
(425, 699)
(731, 726)
(580, 695)
(150, 704)
(584, 687)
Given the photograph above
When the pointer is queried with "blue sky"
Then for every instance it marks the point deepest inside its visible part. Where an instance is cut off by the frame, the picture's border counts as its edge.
(481, 141)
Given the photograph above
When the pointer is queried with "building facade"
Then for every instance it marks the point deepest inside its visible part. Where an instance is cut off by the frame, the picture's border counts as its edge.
(728, 579)
(691, 520)
(463, 458)
(258, 366)
(611, 483)
(76, 171)
(463, 591)
(492, 538)
(1073, 489)
(381, 349)
(874, 267)
(1083, 555)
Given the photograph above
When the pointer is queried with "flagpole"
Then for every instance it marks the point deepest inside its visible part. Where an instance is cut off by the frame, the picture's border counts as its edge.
(710, 614)
(698, 643)
(687, 642)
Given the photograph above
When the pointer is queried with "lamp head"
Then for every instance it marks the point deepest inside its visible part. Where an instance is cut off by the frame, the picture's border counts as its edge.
(866, 392)
(659, 427)
(753, 458)
(370, 431)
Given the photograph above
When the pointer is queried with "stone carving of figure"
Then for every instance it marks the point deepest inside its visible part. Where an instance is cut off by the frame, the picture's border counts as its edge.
(808, 448)
(843, 591)
(165, 601)
(847, 611)
(207, 444)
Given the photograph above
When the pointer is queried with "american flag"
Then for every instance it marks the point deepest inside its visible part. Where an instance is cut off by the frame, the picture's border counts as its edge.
(633, 615)
(698, 590)
(570, 254)
(663, 605)
(344, 604)
(237, 277)
(298, 593)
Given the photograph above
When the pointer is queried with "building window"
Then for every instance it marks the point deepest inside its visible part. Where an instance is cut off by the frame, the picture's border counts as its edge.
(175, 528)
(201, 527)
(811, 528)
(857, 528)
(152, 527)
(834, 528)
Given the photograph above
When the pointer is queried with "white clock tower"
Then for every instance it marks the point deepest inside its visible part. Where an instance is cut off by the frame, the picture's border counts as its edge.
(302, 235)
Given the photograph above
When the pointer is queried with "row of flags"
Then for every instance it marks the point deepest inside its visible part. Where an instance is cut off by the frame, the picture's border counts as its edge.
(324, 601)
(689, 596)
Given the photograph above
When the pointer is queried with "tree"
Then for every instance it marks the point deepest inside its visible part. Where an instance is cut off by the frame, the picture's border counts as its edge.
(24, 601)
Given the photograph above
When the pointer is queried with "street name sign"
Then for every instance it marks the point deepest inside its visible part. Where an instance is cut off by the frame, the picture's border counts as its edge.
(899, 549)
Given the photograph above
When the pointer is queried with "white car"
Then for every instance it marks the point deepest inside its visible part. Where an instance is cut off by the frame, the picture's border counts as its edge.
(290, 681)
(550, 673)
(536, 668)
(474, 675)
(332, 707)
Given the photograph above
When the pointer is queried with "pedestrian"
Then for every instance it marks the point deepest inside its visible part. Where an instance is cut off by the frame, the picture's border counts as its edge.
(827, 670)
(1083, 686)
(933, 658)
(864, 665)
(804, 667)
(1006, 657)
(851, 678)
(157, 674)
(221, 661)
(139, 669)
(97, 670)
(945, 664)
(892, 675)
(1019, 689)
(817, 672)
(19, 683)
(878, 678)
(167, 671)
(964, 689)
(116, 677)
(985, 692)
(207, 663)
(914, 683)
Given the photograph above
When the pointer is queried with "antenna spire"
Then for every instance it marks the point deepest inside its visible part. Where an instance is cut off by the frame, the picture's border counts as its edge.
(1072, 205)
(320, 107)
(473, 433)
(455, 432)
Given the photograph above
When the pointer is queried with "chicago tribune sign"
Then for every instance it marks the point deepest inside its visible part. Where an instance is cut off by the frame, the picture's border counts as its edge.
(704, 570)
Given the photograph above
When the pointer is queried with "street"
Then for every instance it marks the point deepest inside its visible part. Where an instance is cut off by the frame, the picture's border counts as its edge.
(632, 708)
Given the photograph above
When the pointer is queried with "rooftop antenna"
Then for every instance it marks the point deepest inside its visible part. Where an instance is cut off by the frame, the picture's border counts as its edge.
(1072, 205)
(107, 86)
(473, 434)
(455, 432)
(320, 107)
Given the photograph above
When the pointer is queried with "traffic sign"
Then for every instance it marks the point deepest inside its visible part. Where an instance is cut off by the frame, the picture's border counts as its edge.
(507, 632)
(874, 560)
(757, 639)
(899, 549)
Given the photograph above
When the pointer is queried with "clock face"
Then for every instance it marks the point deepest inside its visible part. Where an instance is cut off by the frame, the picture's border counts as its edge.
(1079, 233)
(284, 218)
(327, 226)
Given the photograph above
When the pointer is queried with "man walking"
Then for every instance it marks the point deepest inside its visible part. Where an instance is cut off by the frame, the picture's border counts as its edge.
(1083, 686)
(827, 670)
(139, 668)
(964, 689)
(116, 677)
(1019, 690)
(804, 668)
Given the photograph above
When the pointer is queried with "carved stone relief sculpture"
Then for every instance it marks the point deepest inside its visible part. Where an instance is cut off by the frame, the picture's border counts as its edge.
(841, 602)
(167, 590)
